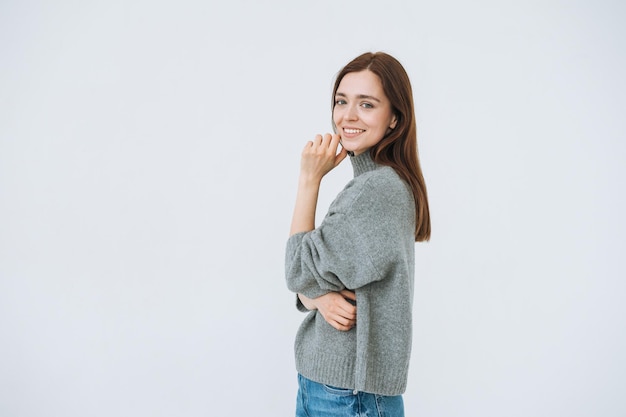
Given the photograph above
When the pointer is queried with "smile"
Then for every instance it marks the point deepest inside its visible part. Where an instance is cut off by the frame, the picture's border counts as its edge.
(353, 131)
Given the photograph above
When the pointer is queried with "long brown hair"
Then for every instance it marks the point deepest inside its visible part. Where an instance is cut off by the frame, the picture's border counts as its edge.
(398, 148)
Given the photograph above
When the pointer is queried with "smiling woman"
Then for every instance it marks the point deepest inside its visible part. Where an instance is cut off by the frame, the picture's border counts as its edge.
(354, 273)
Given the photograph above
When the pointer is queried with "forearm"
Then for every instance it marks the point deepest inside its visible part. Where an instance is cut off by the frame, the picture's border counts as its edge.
(303, 219)
(307, 302)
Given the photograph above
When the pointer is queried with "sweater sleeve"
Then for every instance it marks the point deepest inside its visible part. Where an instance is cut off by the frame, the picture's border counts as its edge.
(356, 244)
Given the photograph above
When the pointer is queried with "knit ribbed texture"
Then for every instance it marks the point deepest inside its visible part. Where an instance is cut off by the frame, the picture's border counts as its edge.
(365, 243)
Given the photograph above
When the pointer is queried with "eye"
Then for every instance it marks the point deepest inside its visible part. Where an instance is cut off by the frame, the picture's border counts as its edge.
(367, 105)
(339, 102)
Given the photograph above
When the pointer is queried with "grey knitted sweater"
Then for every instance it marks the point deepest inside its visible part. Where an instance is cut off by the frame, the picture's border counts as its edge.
(365, 243)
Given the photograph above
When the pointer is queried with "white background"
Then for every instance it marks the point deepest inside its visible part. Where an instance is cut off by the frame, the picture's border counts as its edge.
(149, 153)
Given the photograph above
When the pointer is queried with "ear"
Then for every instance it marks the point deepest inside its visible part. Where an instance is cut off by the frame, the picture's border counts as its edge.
(394, 122)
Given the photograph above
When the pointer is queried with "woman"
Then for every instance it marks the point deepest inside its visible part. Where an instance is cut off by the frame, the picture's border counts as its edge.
(356, 269)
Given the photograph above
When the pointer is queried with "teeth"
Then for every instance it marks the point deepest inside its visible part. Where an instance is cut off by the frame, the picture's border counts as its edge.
(353, 130)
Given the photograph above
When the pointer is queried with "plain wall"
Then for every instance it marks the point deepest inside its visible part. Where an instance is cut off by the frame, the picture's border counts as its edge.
(149, 155)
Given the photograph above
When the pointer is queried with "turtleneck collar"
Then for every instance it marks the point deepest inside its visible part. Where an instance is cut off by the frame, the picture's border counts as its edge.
(362, 163)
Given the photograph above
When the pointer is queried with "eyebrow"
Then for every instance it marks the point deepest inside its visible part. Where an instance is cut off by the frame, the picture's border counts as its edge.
(360, 96)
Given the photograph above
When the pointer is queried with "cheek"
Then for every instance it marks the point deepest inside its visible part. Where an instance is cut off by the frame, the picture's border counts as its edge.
(336, 117)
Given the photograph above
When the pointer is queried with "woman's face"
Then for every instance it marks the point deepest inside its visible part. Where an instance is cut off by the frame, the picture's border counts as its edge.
(362, 112)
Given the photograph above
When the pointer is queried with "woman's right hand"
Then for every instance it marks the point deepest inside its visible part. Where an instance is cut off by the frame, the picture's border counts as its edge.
(335, 308)
(320, 156)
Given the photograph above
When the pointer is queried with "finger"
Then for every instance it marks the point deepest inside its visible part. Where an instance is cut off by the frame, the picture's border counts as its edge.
(341, 303)
(345, 318)
(318, 140)
(340, 156)
(343, 153)
(347, 311)
(351, 295)
(349, 315)
(312, 145)
(340, 326)
(333, 141)
(348, 318)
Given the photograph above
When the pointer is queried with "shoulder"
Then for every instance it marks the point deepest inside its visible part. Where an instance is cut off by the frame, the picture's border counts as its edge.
(385, 183)
(377, 192)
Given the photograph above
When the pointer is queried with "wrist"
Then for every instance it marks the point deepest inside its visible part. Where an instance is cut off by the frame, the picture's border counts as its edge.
(309, 181)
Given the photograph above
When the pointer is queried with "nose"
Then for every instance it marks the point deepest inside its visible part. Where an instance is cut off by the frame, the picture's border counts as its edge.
(351, 113)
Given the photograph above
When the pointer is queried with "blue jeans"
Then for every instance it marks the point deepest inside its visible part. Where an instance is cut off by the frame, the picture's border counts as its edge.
(319, 400)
